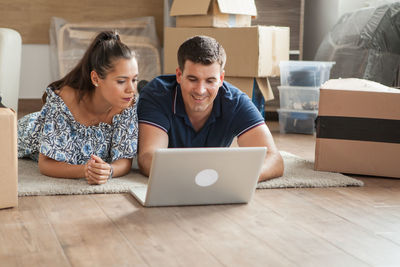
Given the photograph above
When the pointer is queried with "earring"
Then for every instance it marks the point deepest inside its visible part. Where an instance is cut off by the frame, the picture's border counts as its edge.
(96, 84)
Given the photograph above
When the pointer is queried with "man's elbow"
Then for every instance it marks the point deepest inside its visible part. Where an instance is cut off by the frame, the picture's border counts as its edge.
(143, 163)
(275, 165)
(280, 166)
(143, 170)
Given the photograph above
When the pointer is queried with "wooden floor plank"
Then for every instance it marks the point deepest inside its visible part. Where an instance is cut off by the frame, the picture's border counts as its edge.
(299, 144)
(390, 183)
(373, 195)
(367, 207)
(27, 237)
(155, 233)
(232, 244)
(87, 235)
(374, 250)
(340, 231)
(300, 246)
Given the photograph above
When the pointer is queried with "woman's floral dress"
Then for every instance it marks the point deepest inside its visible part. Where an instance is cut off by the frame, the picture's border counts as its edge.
(55, 133)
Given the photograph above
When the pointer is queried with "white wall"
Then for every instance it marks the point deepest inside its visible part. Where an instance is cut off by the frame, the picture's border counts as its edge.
(35, 70)
(319, 17)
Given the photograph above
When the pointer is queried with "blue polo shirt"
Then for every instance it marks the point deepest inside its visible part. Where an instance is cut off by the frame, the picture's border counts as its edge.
(161, 104)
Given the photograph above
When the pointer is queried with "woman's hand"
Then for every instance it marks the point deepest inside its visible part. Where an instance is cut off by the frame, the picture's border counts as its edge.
(97, 171)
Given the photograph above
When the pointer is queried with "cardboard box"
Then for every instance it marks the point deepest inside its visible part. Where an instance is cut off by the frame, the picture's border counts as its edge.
(247, 86)
(358, 131)
(213, 13)
(8, 159)
(251, 51)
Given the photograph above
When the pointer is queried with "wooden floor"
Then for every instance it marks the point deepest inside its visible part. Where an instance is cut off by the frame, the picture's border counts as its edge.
(356, 226)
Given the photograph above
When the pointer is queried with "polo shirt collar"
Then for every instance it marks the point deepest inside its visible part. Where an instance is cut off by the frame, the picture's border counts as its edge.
(178, 106)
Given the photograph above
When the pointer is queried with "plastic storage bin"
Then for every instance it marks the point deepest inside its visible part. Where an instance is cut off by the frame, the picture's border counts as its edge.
(298, 97)
(304, 73)
(297, 121)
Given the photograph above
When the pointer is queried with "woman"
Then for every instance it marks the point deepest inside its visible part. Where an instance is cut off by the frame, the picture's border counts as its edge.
(88, 125)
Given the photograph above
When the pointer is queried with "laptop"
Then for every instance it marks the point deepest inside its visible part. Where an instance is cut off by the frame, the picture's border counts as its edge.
(201, 176)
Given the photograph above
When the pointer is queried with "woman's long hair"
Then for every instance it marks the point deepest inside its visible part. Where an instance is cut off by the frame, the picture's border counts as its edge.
(103, 52)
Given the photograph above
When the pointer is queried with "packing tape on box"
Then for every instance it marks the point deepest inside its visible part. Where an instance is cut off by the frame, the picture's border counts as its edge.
(360, 129)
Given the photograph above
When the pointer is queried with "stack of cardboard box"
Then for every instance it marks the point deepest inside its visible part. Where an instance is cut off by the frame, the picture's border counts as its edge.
(253, 52)
(8, 159)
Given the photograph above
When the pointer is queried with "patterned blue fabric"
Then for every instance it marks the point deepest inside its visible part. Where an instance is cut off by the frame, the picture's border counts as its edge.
(55, 133)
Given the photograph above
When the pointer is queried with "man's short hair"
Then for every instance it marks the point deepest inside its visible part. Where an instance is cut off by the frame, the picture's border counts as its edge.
(201, 49)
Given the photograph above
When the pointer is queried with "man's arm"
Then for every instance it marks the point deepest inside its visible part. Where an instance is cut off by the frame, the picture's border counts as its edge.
(151, 138)
(261, 136)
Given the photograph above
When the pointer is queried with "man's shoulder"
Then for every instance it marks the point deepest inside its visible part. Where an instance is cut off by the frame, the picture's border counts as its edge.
(161, 85)
(231, 92)
(233, 100)
(157, 94)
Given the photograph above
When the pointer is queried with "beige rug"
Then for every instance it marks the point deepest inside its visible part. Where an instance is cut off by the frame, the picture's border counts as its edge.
(298, 173)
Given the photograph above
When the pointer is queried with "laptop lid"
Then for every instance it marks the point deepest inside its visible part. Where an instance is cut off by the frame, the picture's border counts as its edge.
(199, 176)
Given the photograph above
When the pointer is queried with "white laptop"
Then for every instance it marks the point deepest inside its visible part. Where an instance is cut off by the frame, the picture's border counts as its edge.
(200, 176)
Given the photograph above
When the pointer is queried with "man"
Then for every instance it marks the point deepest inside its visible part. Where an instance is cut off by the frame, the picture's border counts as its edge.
(196, 108)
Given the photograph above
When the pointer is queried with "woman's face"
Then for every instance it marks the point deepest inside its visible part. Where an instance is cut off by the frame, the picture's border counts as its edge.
(119, 86)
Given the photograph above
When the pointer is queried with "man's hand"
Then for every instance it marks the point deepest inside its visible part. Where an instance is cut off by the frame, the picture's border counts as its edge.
(97, 171)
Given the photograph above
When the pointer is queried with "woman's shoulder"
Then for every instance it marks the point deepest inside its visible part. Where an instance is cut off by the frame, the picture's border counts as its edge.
(58, 94)
(56, 106)
(66, 93)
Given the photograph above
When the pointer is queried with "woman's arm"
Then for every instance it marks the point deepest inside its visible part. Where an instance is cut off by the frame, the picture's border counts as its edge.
(51, 167)
(96, 171)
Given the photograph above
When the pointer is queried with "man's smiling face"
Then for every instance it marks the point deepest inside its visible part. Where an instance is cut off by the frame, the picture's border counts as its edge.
(199, 85)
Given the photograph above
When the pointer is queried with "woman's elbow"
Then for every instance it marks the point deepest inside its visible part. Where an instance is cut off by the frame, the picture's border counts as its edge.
(43, 169)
